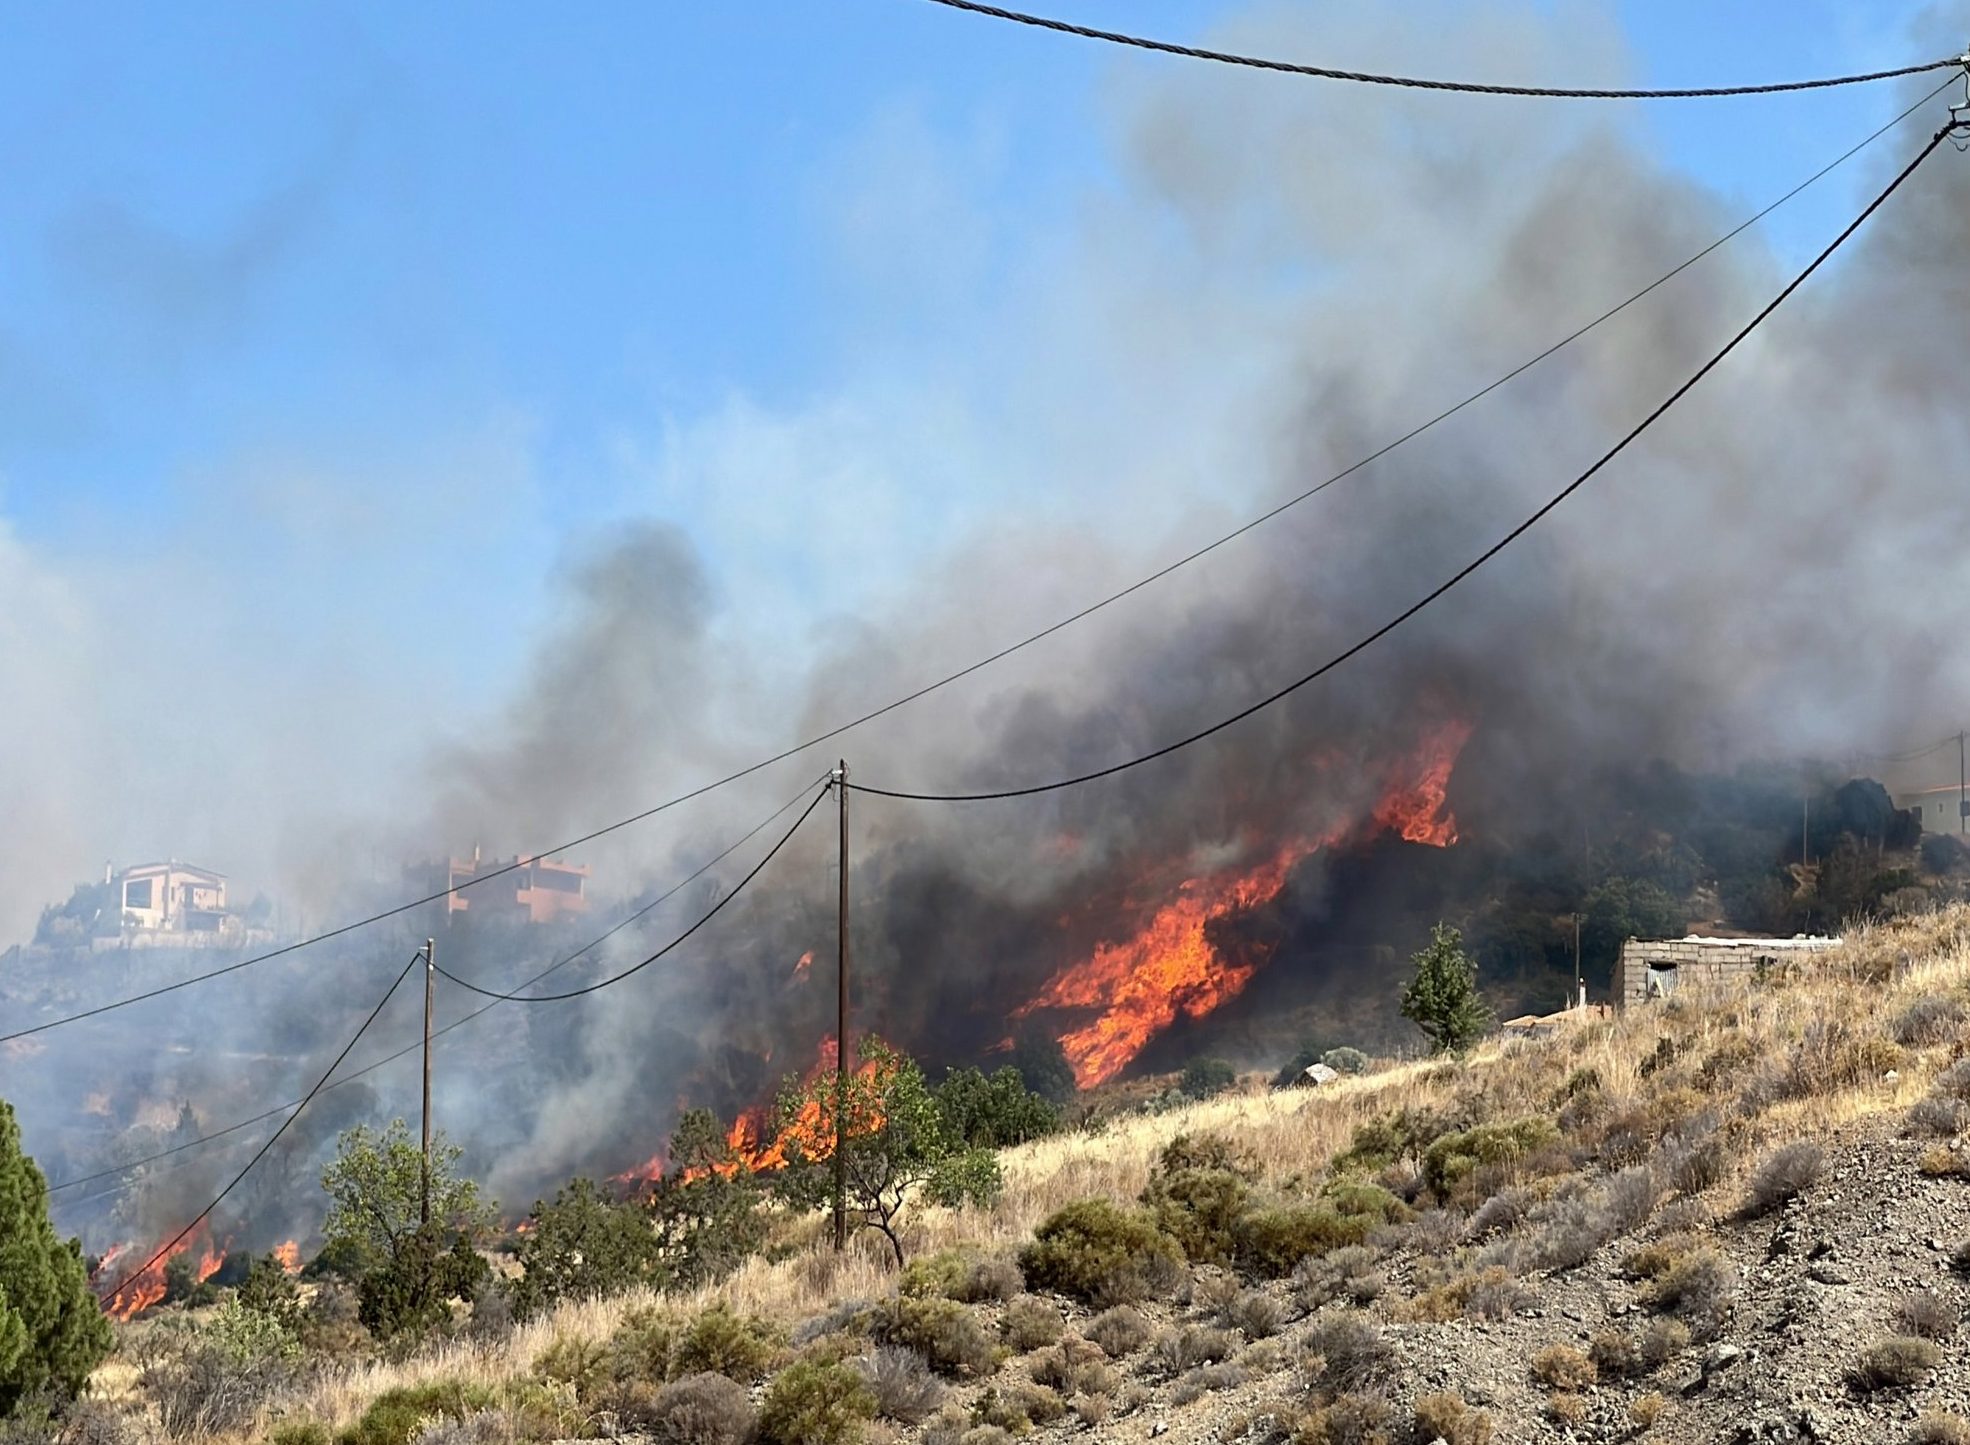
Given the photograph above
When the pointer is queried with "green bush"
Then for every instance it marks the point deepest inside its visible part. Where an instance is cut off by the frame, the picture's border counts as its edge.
(1896, 1364)
(270, 1290)
(995, 1111)
(397, 1417)
(410, 1291)
(52, 1331)
(1365, 1201)
(719, 1342)
(943, 1331)
(582, 1246)
(1204, 1077)
(1345, 1060)
(1272, 1242)
(1453, 1158)
(1200, 1210)
(1031, 1322)
(1442, 997)
(700, 1410)
(972, 1177)
(300, 1432)
(1388, 1139)
(813, 1404)
(1017, 1406)
(1102, 1254)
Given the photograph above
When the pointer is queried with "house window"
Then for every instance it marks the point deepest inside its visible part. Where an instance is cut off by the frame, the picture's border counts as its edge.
(136, 893)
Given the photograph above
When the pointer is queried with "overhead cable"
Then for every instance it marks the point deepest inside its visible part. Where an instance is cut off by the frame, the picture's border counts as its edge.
(349, 1078)
(1463, 572)
(1001, 654)
(1467, 87)
(175, 1240)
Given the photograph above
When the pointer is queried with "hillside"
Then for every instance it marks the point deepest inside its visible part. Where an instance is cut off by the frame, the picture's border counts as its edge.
(1725, 1218)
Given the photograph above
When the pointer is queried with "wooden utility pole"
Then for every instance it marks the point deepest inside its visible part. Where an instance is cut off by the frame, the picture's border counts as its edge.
(430, 987)
(841, 1021)
(1962, 799)
(1579, 991)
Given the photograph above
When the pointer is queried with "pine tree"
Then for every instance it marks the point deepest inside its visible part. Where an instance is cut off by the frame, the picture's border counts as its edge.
(1442, 999)
(52, 1331)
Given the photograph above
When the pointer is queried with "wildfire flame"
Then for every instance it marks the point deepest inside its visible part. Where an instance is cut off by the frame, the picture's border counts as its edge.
(1170, 966)
(136, 1295)
(288, 1254)
(802, 964)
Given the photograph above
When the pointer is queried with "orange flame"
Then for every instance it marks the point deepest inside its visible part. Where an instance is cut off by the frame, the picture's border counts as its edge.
(288, 1255)
(1418, 791)
(802, 964)
(1171, 967)
(135, 1295)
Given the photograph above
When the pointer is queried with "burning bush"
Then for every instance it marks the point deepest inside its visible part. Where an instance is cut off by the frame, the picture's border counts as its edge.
(1102, 1254)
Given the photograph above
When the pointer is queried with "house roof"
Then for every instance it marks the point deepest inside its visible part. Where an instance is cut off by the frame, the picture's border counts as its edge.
(193, 868)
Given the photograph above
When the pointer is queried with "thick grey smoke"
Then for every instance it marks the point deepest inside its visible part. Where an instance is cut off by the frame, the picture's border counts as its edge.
(1281, 277)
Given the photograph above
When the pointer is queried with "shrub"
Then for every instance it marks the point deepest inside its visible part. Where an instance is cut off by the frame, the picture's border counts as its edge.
(1120, 1331)
(1616, 1354)
(901, 1384)
(1924, 1313)
(942, 1274)
(1662, 1341)
(1944, 1161)
(701, 1410)
(396, 1417)
(1452, 1158)
(1937, 1116)
(1504, 1211)
(1938, 1428)
(1206, 1151)
(583, 1246)
(1645, 1410)
(1016, 1407)
(1954, 1082)
(1786, 1173)
(1272, 1242)
(1444, 1416)
(1697, 1165)
(1346, 1272)
(1696, 1288)
(1566, 1408)
(1441, 998)
(1030, 1323)
(1352, 1352)
(719, 1342)
(994, 1278)
(1076, 1367)
(212, 1377)
(299, 1432)
(1204, 1077)
(1102, 1254)
(1896, 1363)
(1257, 1314)
(1345, 1060)
(1195, 1384)
(816, 1404)
(1570, 1231)
(944, 1332)
(1931, 1019)
(1174, 1351)
(1351, 1419)
(995, 1111)
(1562, 1367)
(1200, 1209)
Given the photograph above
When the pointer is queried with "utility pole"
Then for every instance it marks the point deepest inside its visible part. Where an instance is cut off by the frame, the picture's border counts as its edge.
(1962, 799)
(1805, 830)
(841, 1021)
(1579, 999)
(430, 987)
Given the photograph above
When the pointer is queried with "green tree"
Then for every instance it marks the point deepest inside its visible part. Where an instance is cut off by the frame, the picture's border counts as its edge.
(896, 1143)
(1202, 1078)
(52, 1332)
(706, 1208)
(406, 1270)
(995, 1111)
(1624, 908)
(582, 1246)
(1042, 1063)
(1442, 998)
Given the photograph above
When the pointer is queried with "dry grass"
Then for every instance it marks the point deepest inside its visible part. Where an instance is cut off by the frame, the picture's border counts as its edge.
(1813, 1019)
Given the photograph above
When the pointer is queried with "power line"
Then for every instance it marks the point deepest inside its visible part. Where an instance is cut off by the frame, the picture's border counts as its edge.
(1465, 571)
(711, 913)
(640, 912)
(1040, 636)
(1911, 756)
(175, 1240)
(1467, 87)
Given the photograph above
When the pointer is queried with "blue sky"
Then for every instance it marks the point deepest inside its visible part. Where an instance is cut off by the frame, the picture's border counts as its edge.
(337, 326)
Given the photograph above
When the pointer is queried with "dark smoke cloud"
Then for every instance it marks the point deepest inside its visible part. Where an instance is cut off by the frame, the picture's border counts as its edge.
(1282, 277)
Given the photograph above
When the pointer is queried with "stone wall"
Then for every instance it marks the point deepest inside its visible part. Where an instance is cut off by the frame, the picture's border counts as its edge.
(1674, 963)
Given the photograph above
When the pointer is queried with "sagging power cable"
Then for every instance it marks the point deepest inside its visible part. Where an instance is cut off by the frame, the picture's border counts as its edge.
(175, 1240)
(349, 1078)
(1466, 87)
(1463, 572)
(1029, 640)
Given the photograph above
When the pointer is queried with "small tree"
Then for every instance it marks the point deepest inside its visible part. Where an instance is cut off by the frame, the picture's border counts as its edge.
(996, 1111)
(896, 1142)
(1442, 999)
(1202, 1078)
(705, 1208)
(52, 1332)
(583, 1246)
(406, 1270)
